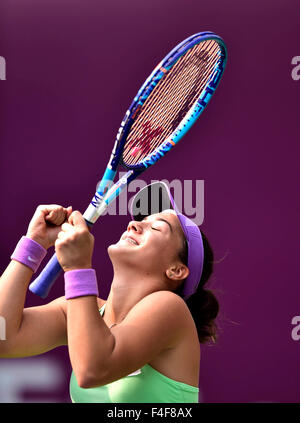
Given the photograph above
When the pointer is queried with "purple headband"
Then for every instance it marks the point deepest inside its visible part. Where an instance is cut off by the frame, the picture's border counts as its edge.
(155, 198)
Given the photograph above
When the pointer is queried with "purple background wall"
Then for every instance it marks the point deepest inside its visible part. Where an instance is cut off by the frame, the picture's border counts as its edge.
(72, 68)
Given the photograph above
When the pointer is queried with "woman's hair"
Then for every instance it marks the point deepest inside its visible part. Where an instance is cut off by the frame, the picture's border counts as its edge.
(203, 304)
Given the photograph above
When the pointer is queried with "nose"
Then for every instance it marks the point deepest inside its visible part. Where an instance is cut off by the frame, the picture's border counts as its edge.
(135, 226)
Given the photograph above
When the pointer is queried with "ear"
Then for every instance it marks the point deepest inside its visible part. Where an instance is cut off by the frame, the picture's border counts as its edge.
(177, 272)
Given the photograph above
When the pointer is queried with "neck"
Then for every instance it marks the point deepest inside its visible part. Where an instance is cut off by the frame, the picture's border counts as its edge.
(127, 289)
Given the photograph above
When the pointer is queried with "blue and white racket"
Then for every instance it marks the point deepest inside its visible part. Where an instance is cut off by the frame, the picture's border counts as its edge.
(164, 109)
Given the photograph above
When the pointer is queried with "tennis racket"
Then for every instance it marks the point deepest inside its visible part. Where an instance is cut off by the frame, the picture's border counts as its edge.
(164, 109)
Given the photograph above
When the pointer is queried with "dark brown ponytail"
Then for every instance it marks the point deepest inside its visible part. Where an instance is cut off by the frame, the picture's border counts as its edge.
(203, 304)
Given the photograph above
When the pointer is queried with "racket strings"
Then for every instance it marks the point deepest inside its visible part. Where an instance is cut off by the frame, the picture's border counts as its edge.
(141, 133)
(170, 100)
(185, 90)
(147, 138)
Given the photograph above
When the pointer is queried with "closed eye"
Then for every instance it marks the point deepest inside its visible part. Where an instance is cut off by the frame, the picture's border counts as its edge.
(155, 229)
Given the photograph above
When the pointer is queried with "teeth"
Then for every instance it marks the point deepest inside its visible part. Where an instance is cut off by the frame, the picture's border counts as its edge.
(131, 241)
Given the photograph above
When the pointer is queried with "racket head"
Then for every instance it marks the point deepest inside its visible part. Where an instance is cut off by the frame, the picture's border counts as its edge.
(170, 101)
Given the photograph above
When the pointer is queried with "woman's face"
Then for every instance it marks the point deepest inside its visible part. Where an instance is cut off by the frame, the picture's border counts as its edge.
(153, 244)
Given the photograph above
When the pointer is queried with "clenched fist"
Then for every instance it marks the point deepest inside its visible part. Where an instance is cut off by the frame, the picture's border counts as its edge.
(45, 224)
(74, 245)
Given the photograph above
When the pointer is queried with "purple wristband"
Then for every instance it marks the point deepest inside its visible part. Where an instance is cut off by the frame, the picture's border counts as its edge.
(81, 282)
(29, 252)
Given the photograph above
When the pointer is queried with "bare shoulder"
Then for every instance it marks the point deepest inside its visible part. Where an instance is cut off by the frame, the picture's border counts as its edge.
(167, 307)
(180, 359)
(165, 300)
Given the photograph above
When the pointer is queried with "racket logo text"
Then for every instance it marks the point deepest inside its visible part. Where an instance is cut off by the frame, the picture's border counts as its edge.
(209, 90)
(97, 199)
(158, 153)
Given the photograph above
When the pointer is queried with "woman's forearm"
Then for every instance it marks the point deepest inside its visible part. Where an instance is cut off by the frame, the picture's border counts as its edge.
(30, 250)
(13, 287)
(90, 341)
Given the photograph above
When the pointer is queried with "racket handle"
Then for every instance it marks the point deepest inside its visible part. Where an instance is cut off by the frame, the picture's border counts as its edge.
(43, 283)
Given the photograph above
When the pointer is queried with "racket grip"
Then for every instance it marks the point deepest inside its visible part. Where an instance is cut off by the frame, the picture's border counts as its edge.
(43, 283)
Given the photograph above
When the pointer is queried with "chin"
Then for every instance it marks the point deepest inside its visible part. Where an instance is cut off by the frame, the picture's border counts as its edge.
(112, 248)
(123, 254)
(118, 250)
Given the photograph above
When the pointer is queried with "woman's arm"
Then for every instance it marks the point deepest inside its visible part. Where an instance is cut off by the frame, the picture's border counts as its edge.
(42, 329)
(13, 286)
(26, 330)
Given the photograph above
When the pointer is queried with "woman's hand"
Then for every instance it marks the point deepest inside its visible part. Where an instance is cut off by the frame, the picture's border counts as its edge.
(74, 245)
(45, 224)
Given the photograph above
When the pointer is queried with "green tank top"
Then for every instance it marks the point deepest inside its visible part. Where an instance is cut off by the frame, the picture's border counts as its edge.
(145, 385)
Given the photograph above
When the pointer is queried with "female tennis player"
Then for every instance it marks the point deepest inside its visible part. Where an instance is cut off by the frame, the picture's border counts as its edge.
(142, 344)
